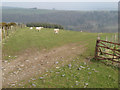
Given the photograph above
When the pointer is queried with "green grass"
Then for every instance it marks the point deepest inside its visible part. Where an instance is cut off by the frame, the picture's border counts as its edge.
(102, 77)
(95, 74)
(98, 76)
(25, 38)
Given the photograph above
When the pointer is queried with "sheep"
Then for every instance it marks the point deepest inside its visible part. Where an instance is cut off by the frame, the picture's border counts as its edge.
(56, 31)
(38, 28)
(11, 27)
(31, 27)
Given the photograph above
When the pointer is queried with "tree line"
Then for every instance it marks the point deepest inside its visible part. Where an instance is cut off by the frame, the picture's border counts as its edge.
(45, 25)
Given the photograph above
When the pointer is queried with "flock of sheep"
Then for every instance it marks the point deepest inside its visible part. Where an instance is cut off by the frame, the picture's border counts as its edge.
(56, 31)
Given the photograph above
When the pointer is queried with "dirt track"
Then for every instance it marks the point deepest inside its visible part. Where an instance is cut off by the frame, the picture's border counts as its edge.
(33, 62)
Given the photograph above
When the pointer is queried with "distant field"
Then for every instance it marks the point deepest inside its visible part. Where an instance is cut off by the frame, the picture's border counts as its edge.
(78, 73)
(24, 11)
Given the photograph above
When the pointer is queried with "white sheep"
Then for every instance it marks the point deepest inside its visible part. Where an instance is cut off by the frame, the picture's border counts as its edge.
(56, 31)
(31, 27)
(38, 28)
(11, 27)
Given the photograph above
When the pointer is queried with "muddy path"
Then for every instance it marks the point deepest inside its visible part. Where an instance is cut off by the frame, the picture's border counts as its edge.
(33, 62)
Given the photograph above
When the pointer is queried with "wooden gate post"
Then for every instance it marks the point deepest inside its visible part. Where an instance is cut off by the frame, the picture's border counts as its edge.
(115, 38)
(106, 38)
(96, 49)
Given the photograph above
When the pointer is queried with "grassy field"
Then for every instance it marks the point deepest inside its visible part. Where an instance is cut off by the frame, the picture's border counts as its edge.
(80, 73)
(25, 38)
(92, 75)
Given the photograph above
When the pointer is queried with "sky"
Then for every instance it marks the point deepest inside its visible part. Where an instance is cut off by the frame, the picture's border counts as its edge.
(65, 5)
(60, 0)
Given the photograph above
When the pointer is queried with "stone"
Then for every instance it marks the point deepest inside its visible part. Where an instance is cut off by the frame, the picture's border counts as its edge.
(33, 79)
(79, 68)
(15, 56)
(84, 63)
(22, 65)
(4, 69)
(13, 84)
(63, 75)
(33, 85)
(27, 60)
(41, 77)
(36, 58)
(57, 67)
(5, 61)
(19, 69)
(57, 72)
(82, 67)
(69, 65)
(89, 72)
(96, 71)
(86, 84)
(57, 62)
(88, 68)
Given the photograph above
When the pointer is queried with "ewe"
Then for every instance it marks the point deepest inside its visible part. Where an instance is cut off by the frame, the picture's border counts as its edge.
(39, 28)
(56, 31)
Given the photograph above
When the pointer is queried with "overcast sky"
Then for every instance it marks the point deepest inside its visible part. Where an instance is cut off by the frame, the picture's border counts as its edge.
(65, 5)
(60, 0)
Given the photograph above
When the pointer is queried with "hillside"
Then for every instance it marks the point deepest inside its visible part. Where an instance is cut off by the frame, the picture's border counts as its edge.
(90, 21)
(39, 59)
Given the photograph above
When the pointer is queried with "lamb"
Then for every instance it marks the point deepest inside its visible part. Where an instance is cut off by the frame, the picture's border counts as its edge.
(56, 31)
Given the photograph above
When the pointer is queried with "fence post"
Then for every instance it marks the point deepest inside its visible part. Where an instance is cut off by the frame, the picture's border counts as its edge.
(96, 49)
(4, 32)
(106, 38)
(98, 36)
(7, 31)
(115, 38)
(111, 38)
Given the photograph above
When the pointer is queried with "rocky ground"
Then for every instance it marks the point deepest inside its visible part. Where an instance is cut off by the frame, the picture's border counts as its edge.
(33, 62)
